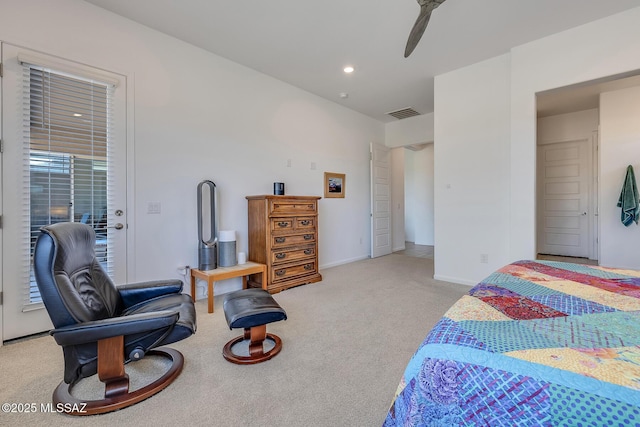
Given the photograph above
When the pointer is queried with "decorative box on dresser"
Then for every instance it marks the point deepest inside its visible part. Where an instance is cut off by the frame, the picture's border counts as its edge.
(283, 234)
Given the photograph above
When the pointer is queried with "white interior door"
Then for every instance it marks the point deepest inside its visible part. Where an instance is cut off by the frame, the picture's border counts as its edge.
(380, 200)
(565, 210)
(70, 166)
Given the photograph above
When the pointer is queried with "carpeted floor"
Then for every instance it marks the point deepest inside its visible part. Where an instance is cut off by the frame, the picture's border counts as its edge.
(345, 345)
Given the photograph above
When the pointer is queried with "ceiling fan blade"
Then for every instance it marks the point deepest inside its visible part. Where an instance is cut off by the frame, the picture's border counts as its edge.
(418, 29)
(426, 7)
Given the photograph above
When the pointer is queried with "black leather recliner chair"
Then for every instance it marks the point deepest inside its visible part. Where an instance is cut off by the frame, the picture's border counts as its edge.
(100, 326)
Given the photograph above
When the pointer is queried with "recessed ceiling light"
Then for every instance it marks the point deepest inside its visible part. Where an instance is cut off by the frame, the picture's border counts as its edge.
(348, 69)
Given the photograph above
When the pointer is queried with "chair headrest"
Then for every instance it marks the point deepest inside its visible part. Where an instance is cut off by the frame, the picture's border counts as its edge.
(75, 244)
(86, 290)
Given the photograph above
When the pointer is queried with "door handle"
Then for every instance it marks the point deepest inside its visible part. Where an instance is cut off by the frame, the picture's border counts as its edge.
(118, 226)
(583, 214)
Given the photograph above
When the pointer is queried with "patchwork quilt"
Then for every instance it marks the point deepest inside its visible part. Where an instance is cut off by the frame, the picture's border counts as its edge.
(537, 343)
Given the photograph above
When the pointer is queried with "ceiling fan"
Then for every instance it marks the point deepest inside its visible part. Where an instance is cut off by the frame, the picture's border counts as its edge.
(426, 7)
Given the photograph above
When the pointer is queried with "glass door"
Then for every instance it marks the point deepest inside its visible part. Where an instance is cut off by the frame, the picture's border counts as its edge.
(64, 135)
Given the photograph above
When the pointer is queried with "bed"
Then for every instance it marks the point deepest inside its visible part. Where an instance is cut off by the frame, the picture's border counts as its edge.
(537, 343)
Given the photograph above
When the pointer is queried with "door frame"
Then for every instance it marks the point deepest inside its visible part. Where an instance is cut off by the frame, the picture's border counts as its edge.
(594, 192)
(375, 213)
(1, 205)
(127, 82)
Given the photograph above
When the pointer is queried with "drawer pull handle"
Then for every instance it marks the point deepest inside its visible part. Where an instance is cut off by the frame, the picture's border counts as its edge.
(305, 222)
(308, 236)
(308, 267)
(281, 255)
(280, 239)
(308, 251)
(283, 224)
(281, 272)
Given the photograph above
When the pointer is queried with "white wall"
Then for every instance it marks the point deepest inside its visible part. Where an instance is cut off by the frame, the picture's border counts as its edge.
(419, 195)
(486, 140)
(472, 170)
(409, 196)
(619, 148)
(416, 172)
(567, 127)
(425, 175)
(413, 130)
(602, 48)
(199, 116)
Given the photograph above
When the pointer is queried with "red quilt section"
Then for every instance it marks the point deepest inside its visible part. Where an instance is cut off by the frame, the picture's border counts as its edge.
(623, 287)
(521, 308)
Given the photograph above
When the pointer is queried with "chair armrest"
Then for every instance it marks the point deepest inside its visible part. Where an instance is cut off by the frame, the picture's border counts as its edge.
(96, 330)
(133, 293)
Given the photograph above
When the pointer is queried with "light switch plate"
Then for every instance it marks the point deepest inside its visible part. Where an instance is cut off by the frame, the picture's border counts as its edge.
(153, 207)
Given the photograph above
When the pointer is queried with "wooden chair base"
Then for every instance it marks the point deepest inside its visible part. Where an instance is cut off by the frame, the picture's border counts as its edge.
(256, 336)
(117, 395)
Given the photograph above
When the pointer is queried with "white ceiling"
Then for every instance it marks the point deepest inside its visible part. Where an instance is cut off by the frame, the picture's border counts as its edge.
(307, 44)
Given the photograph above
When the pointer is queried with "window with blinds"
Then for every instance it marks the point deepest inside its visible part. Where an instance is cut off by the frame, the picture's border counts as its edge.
(66, 124)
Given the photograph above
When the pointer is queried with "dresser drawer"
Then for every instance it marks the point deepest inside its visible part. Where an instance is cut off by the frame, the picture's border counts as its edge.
(292, 239)
(293, 207)
(281, 224)
(288, 255)
(288, 224)
(288, 271)
(305, 223)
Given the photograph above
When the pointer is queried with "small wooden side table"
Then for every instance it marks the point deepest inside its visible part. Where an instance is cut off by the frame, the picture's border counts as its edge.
(222, 273)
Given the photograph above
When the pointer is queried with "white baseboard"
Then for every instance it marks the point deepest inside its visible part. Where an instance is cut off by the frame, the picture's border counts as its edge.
(456, 280)
(344, 261)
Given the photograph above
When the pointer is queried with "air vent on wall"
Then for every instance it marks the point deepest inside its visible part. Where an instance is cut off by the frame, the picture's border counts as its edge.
(404, 113)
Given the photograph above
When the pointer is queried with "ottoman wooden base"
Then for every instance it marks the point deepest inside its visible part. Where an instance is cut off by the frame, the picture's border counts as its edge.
(256, 336)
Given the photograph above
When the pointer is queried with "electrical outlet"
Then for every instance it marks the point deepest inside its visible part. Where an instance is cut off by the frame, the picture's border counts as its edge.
(484, 258)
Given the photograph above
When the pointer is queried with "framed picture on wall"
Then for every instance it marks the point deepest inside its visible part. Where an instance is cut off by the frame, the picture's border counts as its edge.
(334, 185)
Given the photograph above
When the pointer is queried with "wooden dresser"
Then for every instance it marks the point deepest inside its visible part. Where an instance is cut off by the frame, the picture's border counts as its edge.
(283, 234)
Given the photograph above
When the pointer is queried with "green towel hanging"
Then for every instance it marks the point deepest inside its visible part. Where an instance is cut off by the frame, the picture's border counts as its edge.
(629, 200)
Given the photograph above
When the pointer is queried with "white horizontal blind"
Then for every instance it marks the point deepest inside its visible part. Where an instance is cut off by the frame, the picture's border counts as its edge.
(67, 128)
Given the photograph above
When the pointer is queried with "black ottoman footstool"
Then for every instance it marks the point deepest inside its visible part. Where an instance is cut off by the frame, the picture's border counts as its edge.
(252, 309)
